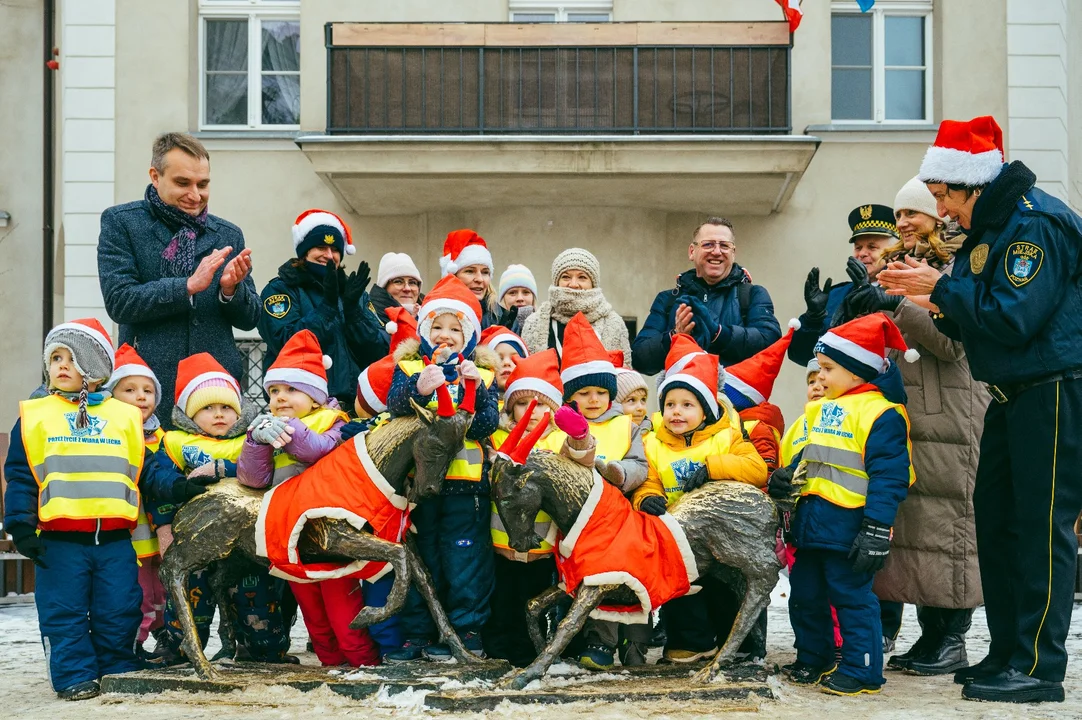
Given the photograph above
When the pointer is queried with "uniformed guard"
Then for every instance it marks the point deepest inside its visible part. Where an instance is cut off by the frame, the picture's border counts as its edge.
(1014, 300)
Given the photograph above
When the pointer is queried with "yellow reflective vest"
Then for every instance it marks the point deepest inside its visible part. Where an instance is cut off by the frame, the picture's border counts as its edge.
(469, 462)
(143, 538)
(674, 466)
(542, 524)
(87, 478)
(794, 440)
(188, 451)
(613, 438)
(833, 458)
(319, 421)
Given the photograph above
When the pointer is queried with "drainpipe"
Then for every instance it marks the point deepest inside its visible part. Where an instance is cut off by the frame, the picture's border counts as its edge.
(48, 192)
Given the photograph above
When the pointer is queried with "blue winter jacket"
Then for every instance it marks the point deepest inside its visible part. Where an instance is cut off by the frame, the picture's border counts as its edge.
(802, 347)
(1014, 299)
(739, 338)
(819, 523)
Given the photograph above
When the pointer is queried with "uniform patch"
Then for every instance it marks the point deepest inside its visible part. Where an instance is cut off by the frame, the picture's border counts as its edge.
(978, 258)
(277, 306)
(1022, 262)
(328, 239)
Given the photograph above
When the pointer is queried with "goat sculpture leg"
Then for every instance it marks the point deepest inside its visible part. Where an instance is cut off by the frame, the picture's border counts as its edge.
(586, 600)
(220, 582)
(176, 582)
(344, 540)
(536, 609)
(422, 580)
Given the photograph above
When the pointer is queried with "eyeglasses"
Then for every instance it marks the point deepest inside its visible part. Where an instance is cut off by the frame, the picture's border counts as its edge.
(405, 282)
(711, 246)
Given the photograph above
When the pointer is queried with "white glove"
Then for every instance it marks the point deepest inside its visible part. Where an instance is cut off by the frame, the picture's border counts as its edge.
(468, 371)
(270, 430)
(209, 469)
(613, 472)
(429, 379)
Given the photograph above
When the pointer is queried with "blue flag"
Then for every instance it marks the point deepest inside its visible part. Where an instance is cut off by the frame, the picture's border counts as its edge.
(865, 5)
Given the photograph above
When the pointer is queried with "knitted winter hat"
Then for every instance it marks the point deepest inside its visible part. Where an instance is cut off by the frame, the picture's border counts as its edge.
(965, 152)
(696, 372)
(202, 381)
(750, 382)
(915, 195)
(374, 382)
(585, 361)
(463, 248)
(577, 259)
(89, 344)
(450, 295)
(395, 265)
(129, 364)
(860, 346)
(538, 374)
(316, 228)
(301, 364)
(627, 382)
(498, 334)
(517, 276)
(813, 367)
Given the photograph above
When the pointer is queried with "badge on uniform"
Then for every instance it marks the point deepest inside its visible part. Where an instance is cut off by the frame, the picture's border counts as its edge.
(978, 258)
(1022, 262)
(277, 306)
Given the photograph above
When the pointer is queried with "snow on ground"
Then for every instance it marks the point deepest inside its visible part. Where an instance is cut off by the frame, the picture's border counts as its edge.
(25, 691)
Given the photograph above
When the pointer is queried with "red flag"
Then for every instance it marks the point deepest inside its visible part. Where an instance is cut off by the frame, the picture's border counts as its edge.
(793, 13)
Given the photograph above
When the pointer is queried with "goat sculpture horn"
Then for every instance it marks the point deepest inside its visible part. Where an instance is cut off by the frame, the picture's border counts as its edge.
(445, 407)
(520, 453)
(518, 431)
(469, 396)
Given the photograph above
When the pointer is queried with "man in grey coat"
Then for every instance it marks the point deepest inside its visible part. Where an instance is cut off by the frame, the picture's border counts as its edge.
(176, 279)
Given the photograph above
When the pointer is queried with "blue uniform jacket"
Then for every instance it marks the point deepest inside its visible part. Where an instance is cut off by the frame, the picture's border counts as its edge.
(1014, 299)
(818, 523)
(738, 339)
(486, 421)
(802, 347)
(21, 497)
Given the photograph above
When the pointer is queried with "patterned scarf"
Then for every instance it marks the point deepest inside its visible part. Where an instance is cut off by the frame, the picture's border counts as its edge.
(178, 258)
(84, 397)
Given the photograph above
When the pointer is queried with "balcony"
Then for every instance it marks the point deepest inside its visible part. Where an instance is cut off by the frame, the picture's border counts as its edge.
(674, 116)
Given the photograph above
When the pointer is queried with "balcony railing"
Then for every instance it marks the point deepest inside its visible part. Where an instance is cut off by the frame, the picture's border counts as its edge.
(616, 78)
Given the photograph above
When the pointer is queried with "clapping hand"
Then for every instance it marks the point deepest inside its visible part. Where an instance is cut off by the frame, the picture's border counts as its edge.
(814, 298)
(203, 276)
(355, 285)
(235, 271)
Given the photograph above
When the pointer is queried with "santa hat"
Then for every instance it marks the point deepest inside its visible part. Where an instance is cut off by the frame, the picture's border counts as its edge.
(318, 228)
(585, 361)
(450, 295)
(401, 326)
(538, 376)
(965, 153)
(374, 382)
(202, 381)
(129, 364)
(463, 248)
(750, 382)
(860, 346)
(498, 334)
(301, 364)
(695, 371)
(89, 344)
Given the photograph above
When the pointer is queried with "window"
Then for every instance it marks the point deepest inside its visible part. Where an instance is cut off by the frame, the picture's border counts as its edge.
(250, 64)
(568, 11)
(881, 62)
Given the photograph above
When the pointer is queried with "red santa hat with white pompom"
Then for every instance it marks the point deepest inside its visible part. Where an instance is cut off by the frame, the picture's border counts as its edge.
(374, 382)
(968, 152)
(860, 346)
(463, 248)
(301, 364)
(318, 228)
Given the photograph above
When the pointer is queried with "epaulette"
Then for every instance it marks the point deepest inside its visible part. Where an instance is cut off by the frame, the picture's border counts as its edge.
(1028, 204)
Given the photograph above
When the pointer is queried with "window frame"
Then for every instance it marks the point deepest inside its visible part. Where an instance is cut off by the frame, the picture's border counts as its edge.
(879, 12)
(255, 12)
(560, 8)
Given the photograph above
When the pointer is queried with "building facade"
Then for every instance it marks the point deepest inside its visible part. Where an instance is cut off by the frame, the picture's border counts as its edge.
(616, 125)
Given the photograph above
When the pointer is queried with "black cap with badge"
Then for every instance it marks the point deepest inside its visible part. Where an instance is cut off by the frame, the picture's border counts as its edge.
(872, 220)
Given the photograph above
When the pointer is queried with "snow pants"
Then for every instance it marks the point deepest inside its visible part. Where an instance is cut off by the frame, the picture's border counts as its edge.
(328, 607)
(506, 635)
(387, 634)
(153, 597)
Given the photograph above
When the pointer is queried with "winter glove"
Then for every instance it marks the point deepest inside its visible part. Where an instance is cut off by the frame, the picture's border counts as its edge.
(184, 489)
(214, 470)
(873, 299)
(355, 285)
(468, 371)
(28, 544)
(707, 329)
(654, 505)
(571, 421)
(429, 379)
(814, 298)
(699, 477)
(612, 471)
(508, 317)
(780, 485)
(870, 549)
(331, 291)
(269, 430)
(857, 273)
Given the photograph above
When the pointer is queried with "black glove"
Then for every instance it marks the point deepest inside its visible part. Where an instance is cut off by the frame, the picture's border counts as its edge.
(355, 285)
(814, 298)
(870, 549)
(875, 299)
(780, 485)
(654, 505)
(184, 489)
(707, 328)
(29, 545)
(857, 273)
(508, 317)
(697, 479)
(331, 290)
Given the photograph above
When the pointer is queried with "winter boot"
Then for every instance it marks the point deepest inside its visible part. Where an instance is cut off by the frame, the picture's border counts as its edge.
(412, 649)
(842, 684)
(632, 653)
(807, 674)
(984, 669)
(81, 691)
(596, 657)
(922, 648)
(948, 657)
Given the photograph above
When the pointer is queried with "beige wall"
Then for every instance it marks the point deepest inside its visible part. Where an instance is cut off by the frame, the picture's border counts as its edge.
(20, 195)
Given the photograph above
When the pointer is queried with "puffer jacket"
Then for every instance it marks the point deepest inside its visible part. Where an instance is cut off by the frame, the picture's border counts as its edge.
(933, 556)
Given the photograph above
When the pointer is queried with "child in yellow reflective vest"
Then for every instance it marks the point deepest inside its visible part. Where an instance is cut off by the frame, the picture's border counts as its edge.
(631, 396)
(508, 347)
(699, 441)
(134, 383)
(76, 470)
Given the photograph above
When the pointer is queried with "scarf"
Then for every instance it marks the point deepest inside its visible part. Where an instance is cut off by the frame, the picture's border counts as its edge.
(178, 257)
(564, 303)
(151, 425)
(998, 200)
(84, 397)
